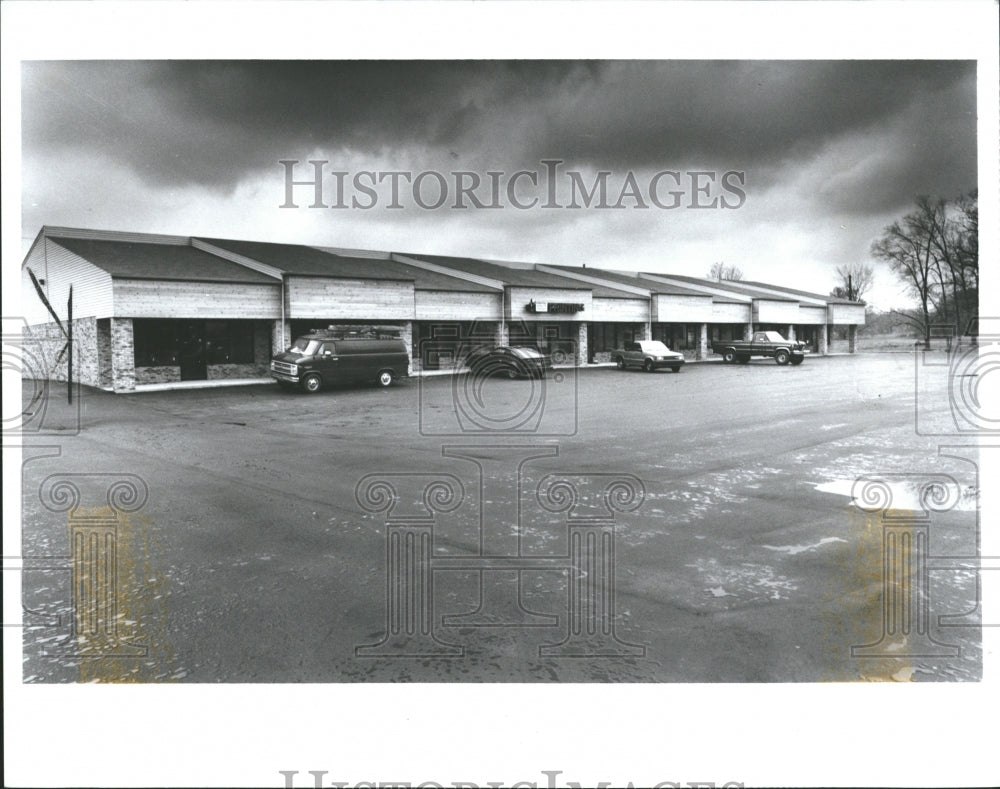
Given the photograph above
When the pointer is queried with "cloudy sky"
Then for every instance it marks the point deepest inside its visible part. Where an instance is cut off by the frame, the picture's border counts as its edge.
(822, 155)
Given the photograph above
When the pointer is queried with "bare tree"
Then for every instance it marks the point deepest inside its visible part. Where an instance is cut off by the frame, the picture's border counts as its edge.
(935, 251)
(720, 271)
(856, 279)
(905, 246)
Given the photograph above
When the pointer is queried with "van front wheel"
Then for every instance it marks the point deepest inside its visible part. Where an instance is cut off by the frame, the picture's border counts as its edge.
(385, 378)
(312, 383)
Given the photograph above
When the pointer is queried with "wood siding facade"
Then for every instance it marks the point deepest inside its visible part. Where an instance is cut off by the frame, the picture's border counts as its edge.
(350, 299)
(670, 308)
(141, 298)
(517, 299)
(607, 310)
(850, 314)
(455, 305)
(768, 311)
(59, 268)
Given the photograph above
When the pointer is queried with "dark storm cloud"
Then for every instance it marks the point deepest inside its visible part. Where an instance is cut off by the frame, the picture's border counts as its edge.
(749, 109)
(210, 123)
(206, 122)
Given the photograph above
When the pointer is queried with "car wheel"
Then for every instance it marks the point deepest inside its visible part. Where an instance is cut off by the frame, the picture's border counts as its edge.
(511, 373)
(385, 378)
(729, 357)
(743, 359)
(620, 362)
(647, 366)
(781, 357)
(676, 368)
(312, 383)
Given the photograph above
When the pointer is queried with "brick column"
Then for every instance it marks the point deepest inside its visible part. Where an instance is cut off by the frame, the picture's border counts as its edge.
(643, 332)
(748, 332)
(791, 333)
(407, 336)
(852, 339)
(581, 344)
(122, 355)
(503, 333)
(703, 349)
(279, 342)
(822, 342)
(104, 377)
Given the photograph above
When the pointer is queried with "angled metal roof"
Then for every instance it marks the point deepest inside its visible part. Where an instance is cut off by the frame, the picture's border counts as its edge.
(732, 286)
(794, 292)
(637, 281)
(135, 260)
(297, 259)
(510, 275)
(433, 280)
(308, 261)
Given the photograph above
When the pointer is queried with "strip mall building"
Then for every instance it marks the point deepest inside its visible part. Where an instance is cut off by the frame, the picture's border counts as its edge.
(150, 309)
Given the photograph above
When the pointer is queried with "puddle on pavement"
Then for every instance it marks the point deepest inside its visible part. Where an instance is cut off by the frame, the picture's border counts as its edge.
(904, 495)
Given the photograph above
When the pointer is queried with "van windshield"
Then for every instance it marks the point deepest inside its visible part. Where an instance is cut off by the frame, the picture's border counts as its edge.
(304, 347)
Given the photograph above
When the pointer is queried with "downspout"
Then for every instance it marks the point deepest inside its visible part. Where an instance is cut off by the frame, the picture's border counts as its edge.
(284, 343)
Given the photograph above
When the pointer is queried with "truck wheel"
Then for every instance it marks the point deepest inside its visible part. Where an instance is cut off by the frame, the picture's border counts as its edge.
(781, 357)
(797, 360)
(620, 362)
(385, 378)
(743, 359)
(647, 366)
(729, 356)
(312, 383)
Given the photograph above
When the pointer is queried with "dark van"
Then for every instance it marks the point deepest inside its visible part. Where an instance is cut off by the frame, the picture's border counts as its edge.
(342, 355)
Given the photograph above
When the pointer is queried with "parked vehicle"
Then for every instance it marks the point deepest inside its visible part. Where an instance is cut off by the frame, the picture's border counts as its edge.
(508, 362)
(649, 355)
(764, 343)
(342, 355)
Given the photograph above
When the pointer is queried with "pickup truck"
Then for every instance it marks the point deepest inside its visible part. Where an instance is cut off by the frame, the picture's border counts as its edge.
(649, 355)
(764, 343)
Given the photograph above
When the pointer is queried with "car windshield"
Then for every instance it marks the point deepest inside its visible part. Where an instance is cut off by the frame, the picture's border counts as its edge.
(304, 347)
(773, 336)
(654, 346)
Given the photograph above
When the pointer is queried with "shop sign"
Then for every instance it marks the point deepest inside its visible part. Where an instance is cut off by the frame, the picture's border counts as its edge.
(553, 307)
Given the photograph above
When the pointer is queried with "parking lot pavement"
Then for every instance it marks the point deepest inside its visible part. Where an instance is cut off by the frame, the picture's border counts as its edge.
(598, 526)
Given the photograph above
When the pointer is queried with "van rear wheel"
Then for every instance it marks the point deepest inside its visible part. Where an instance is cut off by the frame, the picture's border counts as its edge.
(385, 378)
(312, 383)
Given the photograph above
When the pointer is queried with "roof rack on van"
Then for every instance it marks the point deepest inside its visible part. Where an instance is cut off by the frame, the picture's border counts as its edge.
(334, 332)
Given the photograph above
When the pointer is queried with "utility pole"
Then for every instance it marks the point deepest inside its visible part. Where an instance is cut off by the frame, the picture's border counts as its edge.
(69, 346)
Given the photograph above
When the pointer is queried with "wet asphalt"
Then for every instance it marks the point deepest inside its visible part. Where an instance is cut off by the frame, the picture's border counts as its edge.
(673, 520)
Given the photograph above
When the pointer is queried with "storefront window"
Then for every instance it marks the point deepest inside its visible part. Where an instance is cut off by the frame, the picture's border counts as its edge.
(674, 335)
(155, 342)
(158, 342)
(229, 342)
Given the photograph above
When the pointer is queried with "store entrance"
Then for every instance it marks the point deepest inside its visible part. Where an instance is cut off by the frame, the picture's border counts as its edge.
(191, 355)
